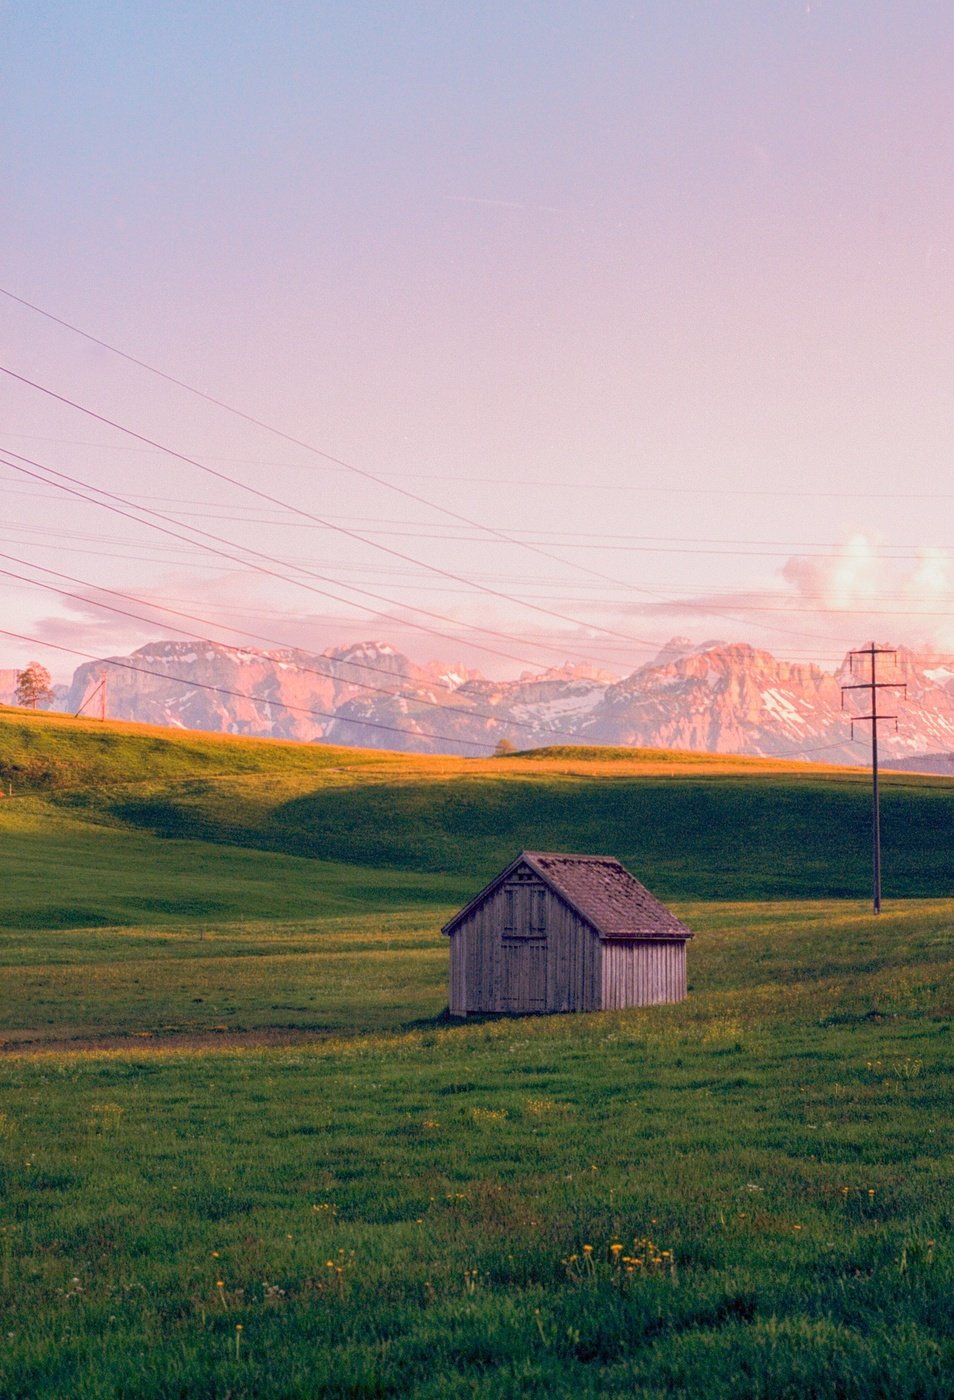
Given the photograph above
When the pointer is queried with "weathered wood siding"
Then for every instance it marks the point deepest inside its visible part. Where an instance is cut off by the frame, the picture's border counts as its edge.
(458, 982)
(522, 950)
(643, 973)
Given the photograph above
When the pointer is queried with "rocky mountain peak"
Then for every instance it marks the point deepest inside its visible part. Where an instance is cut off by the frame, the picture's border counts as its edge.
(718, 696)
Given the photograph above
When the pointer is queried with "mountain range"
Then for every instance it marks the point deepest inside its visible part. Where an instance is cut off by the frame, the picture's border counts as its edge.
(717, 697)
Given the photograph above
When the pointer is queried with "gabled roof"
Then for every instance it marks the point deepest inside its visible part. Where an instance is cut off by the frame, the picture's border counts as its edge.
(597, 888)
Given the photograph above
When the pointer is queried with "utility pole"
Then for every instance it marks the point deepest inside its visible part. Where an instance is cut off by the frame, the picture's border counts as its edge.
(873, 685)
(100, 690)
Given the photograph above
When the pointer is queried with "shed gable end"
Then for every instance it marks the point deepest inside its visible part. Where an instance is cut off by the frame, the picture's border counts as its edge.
(525, 905)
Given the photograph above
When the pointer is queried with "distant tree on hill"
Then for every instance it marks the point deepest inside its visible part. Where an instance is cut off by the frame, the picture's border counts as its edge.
(34, 686)
(504, 747)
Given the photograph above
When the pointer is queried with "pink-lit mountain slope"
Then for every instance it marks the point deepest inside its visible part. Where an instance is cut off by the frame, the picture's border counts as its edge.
(732, 698)
(717, 697)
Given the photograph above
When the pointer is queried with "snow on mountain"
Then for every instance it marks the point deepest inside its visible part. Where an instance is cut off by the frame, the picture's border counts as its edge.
(717, 696)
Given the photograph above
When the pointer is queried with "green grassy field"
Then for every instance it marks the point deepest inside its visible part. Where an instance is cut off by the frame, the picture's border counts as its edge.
(243, 1153)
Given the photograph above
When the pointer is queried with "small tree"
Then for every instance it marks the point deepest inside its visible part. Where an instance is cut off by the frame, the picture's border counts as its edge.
(34, 686)
(504, 747)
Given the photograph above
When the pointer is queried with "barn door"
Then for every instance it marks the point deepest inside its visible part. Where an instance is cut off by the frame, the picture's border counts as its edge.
(524, 975)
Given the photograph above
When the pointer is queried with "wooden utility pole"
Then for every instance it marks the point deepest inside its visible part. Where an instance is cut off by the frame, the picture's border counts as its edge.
(873, 685)
(100, 690)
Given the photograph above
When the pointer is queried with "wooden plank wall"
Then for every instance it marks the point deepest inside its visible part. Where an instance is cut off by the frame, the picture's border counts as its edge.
(457, 1002)
(514, 953)
(575, 962)
(643, 973)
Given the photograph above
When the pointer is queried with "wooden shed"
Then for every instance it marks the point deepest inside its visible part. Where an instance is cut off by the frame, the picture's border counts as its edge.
(564, 933)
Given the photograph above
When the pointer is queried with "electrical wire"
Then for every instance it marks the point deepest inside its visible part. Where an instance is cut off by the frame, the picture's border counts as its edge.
(266, 700)
(300, 666)
(248, 563)
(359, 471)
(301, 709)
(523, 483)
(329, 525)
(647, 544)
(711, 610)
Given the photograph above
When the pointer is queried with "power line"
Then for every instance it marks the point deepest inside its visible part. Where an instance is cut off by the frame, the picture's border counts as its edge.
(891, 610)
(326, 524)
(798, 753)
(501, 535)
(248, 563)
(497, 593)
(266, 700)
(381, 479)
(563, 539)
(940, 658)
(299, 709)
(299, 666)
(786, 603)
(359, 471)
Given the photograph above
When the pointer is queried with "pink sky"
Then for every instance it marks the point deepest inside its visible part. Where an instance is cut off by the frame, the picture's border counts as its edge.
(664, 292)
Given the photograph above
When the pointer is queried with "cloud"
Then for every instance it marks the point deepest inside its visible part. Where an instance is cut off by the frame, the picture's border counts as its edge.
(913, 595)
(822, 605)
(237, 609)
(851, 577)
(815, 607)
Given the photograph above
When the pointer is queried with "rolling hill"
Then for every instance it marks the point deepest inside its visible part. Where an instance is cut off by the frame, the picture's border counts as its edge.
(243, 1151)
(718, 697)
(237, 816)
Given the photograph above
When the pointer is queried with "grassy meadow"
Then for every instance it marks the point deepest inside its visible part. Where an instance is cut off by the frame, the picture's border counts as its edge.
(243, 1153)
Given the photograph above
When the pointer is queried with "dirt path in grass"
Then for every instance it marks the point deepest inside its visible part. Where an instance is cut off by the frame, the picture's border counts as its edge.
(34, 1042)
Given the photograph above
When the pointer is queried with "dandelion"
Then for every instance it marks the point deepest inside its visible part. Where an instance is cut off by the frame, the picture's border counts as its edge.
(871, 1192)
(587, 1249)
(488, 1115)
(238, 1338)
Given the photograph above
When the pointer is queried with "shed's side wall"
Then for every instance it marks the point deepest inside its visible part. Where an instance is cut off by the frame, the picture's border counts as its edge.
(458, 988)
(487, 947)
(643, 973)
(575, 961)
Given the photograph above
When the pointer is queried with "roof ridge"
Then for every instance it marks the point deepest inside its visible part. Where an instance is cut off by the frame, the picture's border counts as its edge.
(569, 855)
(614, 903)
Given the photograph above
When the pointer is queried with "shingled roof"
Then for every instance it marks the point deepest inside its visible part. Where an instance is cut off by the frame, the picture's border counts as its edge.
(601, 891)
